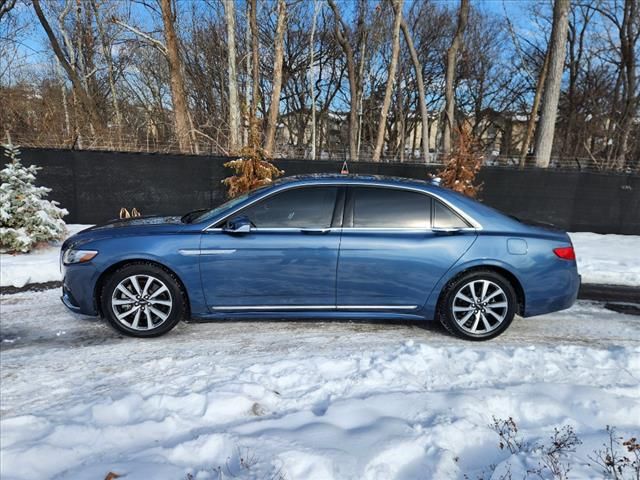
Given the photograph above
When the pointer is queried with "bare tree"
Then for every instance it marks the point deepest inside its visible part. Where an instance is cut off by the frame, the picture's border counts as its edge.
(178, 95)
(312, 85)
(391, 77)
(85, 99)
(549, 112)
(232, 74)
(531, 123)
(107, 45)
(422, 101)
(343, 32)
(274, 107)
(255, 64)
(628, 35)
(452, 57)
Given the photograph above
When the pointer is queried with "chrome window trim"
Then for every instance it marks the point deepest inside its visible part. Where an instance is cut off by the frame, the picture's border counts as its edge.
(313, 307)
(277, 229)
(347, 229)
(475, 225)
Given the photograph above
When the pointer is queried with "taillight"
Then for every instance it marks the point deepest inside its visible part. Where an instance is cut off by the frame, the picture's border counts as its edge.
(566, 253)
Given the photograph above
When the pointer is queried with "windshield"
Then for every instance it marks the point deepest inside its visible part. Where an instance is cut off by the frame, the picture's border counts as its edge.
(210, 214)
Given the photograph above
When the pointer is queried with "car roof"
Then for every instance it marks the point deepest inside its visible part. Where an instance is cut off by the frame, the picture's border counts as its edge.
(353, 179)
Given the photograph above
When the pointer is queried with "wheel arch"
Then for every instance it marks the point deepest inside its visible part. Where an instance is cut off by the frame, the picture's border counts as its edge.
(508, 275)
(104, 276)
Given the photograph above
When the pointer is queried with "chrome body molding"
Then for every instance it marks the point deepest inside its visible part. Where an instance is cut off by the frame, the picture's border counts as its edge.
(196, 251)
(314, 307)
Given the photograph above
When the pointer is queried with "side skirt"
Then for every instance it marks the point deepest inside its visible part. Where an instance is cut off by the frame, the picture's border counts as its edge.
(310, 315)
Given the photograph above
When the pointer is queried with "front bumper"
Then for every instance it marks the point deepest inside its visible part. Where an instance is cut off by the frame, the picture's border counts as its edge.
(69, 301)
(78, 288)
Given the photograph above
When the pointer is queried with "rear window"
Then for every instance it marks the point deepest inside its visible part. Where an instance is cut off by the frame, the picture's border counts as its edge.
(390, 208)
(444, 217)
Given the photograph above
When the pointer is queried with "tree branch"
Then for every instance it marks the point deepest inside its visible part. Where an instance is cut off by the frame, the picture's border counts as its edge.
(152, 41)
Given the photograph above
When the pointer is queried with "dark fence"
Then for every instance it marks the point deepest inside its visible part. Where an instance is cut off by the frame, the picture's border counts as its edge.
(94, 185)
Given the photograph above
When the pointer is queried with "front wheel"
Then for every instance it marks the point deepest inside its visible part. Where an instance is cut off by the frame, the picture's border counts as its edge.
(143, 300)
(478, 305)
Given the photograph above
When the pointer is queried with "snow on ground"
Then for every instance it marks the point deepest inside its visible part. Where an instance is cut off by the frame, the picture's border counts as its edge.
(303, 400)
(40, 266)
(607, 259)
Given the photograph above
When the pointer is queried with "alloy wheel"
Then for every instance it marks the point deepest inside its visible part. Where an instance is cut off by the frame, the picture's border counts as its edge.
(479, 307)
(141, 302)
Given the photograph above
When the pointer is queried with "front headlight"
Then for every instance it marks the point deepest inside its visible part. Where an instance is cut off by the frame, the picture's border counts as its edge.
(78, 256)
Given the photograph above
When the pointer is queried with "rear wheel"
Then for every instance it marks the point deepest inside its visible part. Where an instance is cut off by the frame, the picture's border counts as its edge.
(143, 300)
(478, 305)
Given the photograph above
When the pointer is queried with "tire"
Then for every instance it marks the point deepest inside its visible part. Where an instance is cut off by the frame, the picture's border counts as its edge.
(143, 300)
(479, 314)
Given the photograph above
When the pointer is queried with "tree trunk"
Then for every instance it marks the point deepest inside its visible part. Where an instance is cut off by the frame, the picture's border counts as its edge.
(395, 50)
(534, 109)
(106, 53)
(628, 40)
(557, 49)
(85, 99)
(176, 78)
(341, 31)
(312, 82)
(450, 76)
(274, 106)
(254, 138)
(232, 74)
(424, 116)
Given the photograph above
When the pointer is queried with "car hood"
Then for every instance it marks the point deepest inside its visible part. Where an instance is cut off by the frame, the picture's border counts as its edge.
(137, 222)
(127, 227)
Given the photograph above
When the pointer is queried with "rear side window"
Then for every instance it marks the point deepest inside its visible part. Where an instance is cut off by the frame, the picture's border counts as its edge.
(390, 208)
(444, 217)
(310, 207)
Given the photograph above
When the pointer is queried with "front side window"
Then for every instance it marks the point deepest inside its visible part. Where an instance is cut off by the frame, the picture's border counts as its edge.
(390, 208)
(310, 207)
(444, 217)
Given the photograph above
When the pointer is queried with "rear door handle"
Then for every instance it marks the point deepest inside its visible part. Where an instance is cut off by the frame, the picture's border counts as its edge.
(315, 231)
(445, 230)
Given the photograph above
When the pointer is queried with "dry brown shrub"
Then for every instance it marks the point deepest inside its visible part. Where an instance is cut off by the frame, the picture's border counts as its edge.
(252, 169)
(463, 164)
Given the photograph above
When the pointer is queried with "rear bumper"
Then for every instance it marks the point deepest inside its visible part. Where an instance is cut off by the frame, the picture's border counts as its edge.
(562, 301)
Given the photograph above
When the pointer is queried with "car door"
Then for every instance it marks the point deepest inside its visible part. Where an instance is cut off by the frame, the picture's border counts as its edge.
(390, 256)
(288, 259)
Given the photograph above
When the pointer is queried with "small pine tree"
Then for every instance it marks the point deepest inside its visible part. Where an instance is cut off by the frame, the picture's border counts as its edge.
(252, 169)
(462, 165)
(26, 217)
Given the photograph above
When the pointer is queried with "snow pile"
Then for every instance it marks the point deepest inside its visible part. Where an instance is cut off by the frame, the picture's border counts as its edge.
(303, 400)
(40, 266)
(607, 259)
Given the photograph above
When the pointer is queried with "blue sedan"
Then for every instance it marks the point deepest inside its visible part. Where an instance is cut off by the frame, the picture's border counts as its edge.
(323, 246)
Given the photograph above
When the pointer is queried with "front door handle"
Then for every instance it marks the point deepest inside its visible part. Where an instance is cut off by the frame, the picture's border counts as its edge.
(315, 231)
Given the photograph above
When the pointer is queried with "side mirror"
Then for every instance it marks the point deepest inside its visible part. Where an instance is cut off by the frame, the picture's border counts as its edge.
(239, 224)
